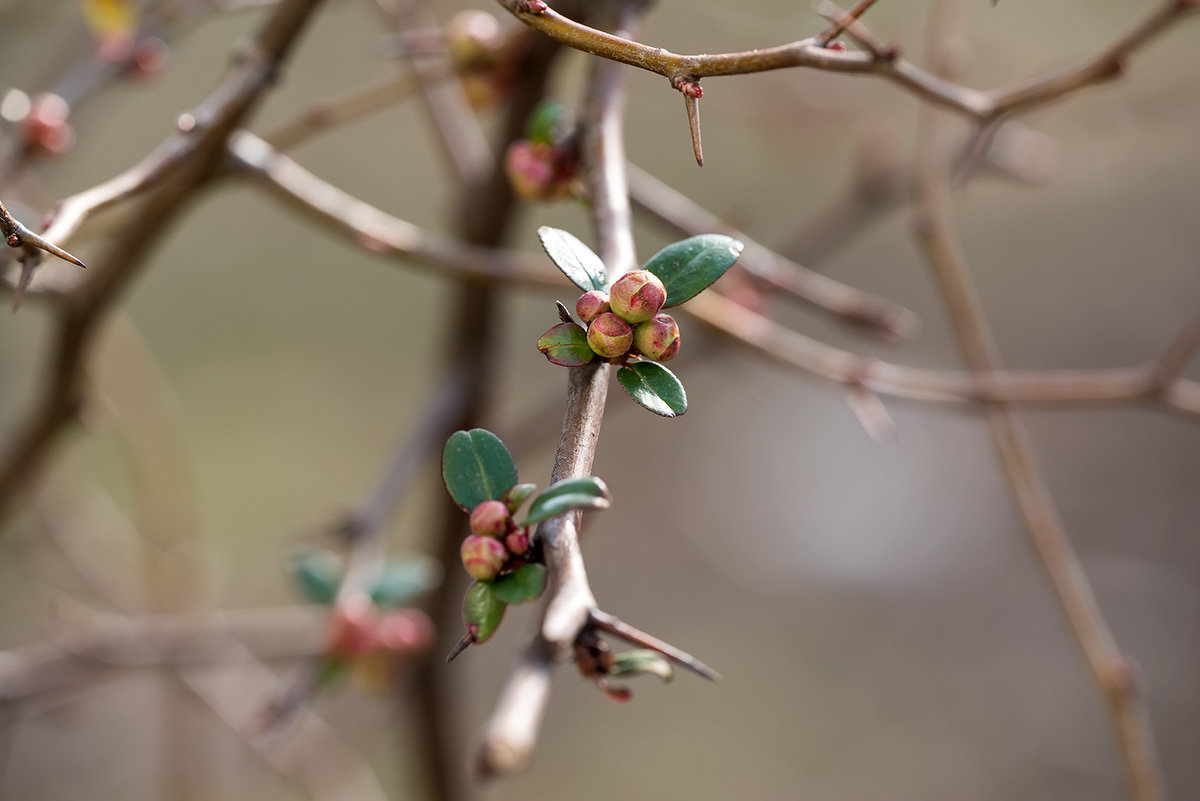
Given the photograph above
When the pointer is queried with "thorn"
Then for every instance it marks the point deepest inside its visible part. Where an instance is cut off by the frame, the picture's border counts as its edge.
(616, 626)
(27, 267)
(693, 112)
(563, 314)
(467, 640)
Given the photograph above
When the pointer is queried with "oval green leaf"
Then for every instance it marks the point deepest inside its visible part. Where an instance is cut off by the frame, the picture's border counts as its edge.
(476, 467)
(317, 574)
(549, 123)
(574, 493)
(404, 580)
(688, 266)
(482, 611)
(575, 259)
(654, 387)
(632, 663)
(523, 584)
(566, 344)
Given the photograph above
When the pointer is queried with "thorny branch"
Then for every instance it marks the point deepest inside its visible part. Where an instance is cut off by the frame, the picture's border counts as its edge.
(1112, 671)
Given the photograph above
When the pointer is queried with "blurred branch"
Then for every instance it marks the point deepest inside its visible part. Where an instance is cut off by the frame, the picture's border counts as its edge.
(326, 114)
(810, 53)
(202, 151)
(679, 213)
(1113, 673)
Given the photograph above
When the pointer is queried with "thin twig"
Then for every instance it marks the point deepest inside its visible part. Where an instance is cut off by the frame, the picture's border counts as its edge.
(833, 31)
(1110, 668)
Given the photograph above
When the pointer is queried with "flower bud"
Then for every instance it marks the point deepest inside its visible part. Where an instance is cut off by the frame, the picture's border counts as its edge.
(473, 38)
(637, 296)
(490, 519)
(405, 630)
(531, 170)
(352, 630)
(591, 305)
(483, 556)
(610, 336)
(657, 338)
(518, 541)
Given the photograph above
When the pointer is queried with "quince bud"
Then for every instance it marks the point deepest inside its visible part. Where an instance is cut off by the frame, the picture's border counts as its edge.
(637, 296)
(531, 169)
(490, 518)
(610, 336)
(657, 338)
(405, 630)
(483, 556)
(518, 541)
(591, 305)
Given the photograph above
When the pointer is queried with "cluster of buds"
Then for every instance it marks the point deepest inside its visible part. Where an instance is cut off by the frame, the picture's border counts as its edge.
(43, 122)
(626, 321)
(545, 164)
(497, 544)
(358, 627)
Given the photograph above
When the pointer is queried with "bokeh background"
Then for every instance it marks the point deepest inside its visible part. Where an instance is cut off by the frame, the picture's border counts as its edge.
(883, 629)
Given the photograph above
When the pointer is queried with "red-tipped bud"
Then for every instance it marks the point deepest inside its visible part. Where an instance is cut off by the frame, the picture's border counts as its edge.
(637, 296)
(518, 542)
(406, 631)
(530, 169)
(352, 630)
(591, 305)
(657, 338)
(490, 518)
(483, 556)
(610, 336)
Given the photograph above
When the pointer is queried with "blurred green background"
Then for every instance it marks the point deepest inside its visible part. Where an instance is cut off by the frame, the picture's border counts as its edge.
(882, 627)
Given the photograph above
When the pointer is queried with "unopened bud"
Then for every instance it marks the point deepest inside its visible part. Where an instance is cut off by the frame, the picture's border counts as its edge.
(610, 336)
(490, 518)
(483, 556)
(518, 542)
(637, 296)
(657, 338)
(591, 305)
(353, 627)
(473, 38)
(405, 630)
(530, 168)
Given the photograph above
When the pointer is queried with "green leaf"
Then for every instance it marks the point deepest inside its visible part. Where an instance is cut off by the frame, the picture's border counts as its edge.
(688, 266)
(566, 344)
(518, 495)
(631, 663)
(404, 580)
(575, 259)
(574, 493)
(654, 387)
(548, 123)
(476, 467)
(482, 611)
(523, 584)
(317, 574)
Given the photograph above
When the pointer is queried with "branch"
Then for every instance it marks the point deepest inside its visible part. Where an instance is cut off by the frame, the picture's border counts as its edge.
(811, 54)
(1111, 670)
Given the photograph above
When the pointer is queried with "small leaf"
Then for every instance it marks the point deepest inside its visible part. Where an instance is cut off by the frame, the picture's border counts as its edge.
(518, 495)
(566, 344)
(654, 387)
(404, 580)
(575, 259)
(317, 574)
(631, 663)
(548, 123)
(574, 493)
(523, 584)
(688, 266)
(482, 611)
(476, 467)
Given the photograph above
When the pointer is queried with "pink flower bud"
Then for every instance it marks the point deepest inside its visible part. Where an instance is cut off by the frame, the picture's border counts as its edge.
(490, 518)
(405, 630)
(610, 336)
(483, 556)
(352, 629)
(637, 296)
(531, 169)
(518, 541)
(657, 338)
(591, 305)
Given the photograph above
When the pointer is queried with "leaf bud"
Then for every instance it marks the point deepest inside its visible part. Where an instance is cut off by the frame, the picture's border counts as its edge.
(657, 338)
(483, 556)
(637, 296)
(591, 305)
(490, 518)
(610, 336)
